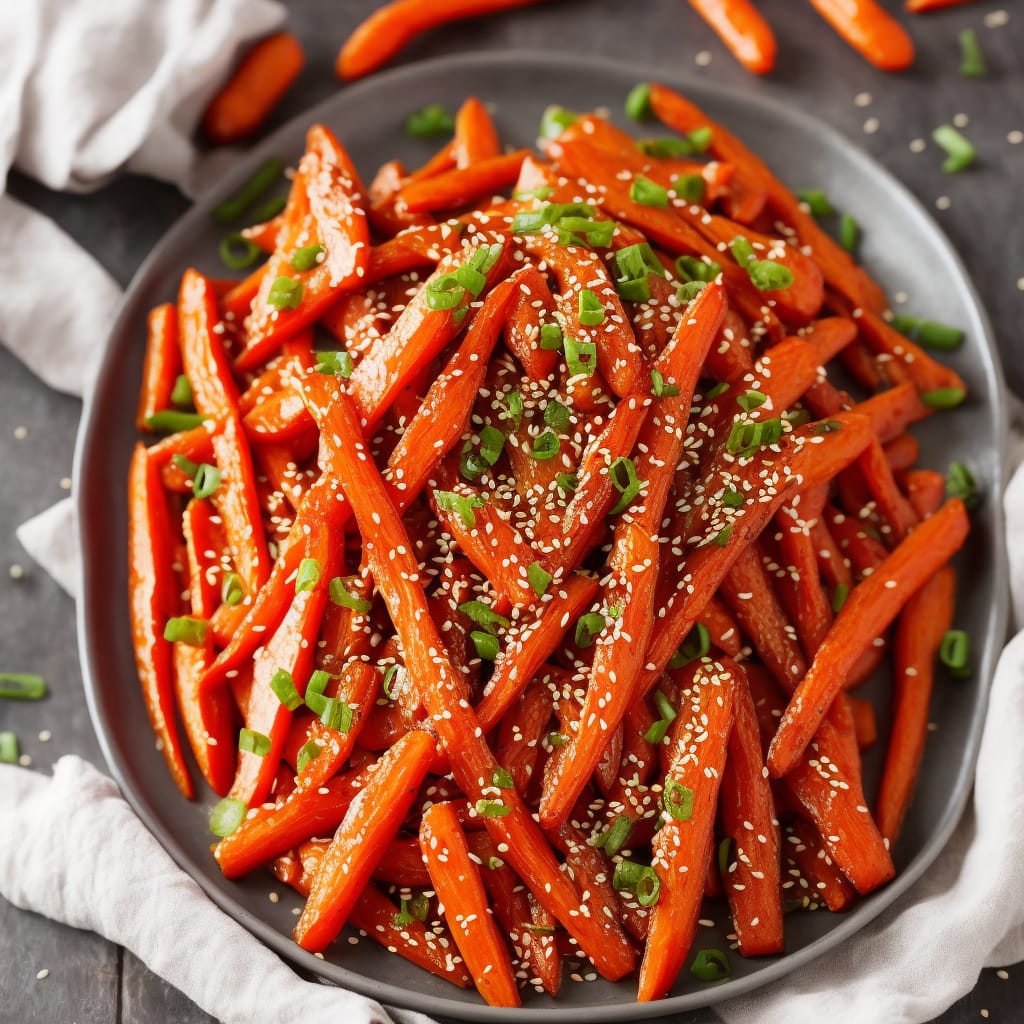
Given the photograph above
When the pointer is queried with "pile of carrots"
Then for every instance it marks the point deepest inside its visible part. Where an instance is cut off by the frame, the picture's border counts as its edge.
(272, 65)
(514, 552)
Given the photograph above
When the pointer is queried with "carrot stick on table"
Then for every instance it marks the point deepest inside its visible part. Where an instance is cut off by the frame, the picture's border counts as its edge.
(742, 28)
(257, 85)
(870, 30)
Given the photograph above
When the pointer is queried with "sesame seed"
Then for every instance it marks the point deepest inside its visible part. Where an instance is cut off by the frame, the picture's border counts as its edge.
(20, 433)
(863, 99)
(871, 125)
(1015, 137)
(17, 572)
(943, 203)
(918, 145)
(703, 58)
(43, 974)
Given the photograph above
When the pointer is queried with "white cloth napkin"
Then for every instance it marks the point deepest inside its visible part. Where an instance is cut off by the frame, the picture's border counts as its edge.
(72, 849)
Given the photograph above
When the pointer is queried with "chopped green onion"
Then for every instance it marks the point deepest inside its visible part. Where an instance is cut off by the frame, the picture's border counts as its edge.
(719, 389)
(233, 208)
(944, 398)
(237, 252)
(540, 192)
(724, 856)
(314, 696)
(659, 388)
(721, 539)
(555, 120)
(634, 290)
(539, 578)
(557, 416)
(173, 420)
(710, 965)
(972, 60)
(598, 233)
(403, 917)
(285, 293)
(391, 681)
(472, 280)
(514, 405)
(269, 209)
(615, 837)
(556, 739)
(181, 393)
(306, 258)
(614, 611)
(839, 596)
(336, 715)
(638, 260)
(689, 290)
(251, 742)
(227, 816)
(849, 232)
(689, 187)
(539, 929)
(207, 481)
(929, 333)
(664, 706)
(463, 505)
(732, 499)
(231, 592)
(690, 268)
(545, 447)
(550, 215)
(444, 292)
(429, 122)
(751, 400)
(960, 153)
(796, 417)
(186, 465)
(677, 800)
(638, 879)
(501, 778)
(591, 312)
(484, 615)
(486, 645)
(419, 907)
(333, 363)
(647, 192)
(8, 748)
(638, 102)
(476, 461)
(955, 653)
(492, 809)
(696, 645)
(345, 598)
(769, 276)
(22, 686)
(816, 201)
(700, 139)
(667, 147)
(284, 689)
(551, 337)
(960, 483)
(493, 863)
(745, 437)
(567, 482)
(185, 629)
(622, 473)
(656, 733)
(308, 575)
(484, 258)
(587, 627)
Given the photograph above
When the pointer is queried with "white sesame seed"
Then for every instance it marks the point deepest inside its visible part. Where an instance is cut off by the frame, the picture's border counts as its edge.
(20, 433)
(943, 203)
(43, 974)
(918, 145)
(871, 125)
(703, 59)
(45, 736)
(996, 19)
(862, 99)
(17, 572)
(1015, 137)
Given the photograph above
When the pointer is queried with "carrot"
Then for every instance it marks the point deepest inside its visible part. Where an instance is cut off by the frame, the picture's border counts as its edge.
(865, 724)
(818, 879)
(923, 623)
(742, 28)
(161, 365)
(463, 185)
(869, 609)
(264, 75)
(476, 138)
(393, 26)
(922, 6)
(371, 820)
(456, 879)
(870, 30)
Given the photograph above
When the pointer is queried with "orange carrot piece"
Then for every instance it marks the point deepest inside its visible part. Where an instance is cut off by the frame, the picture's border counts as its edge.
(922, 625)
(682, 846)
(460, 890)
(865, 724)
(871, 30)
(264, 75)
(476, 138)
(869, 609)
(819, 878)
(902, 452)
(153, 601)
(370, 823)
(922, 6)
(391, 27)
(742, 27)
(162, 363)
(925, 489)
(896, 510)
(464, 185)
(800, 588)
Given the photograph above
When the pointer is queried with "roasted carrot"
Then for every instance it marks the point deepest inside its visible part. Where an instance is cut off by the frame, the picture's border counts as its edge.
(921, 6)
(162, 363)
(742, 28)
(870, 30)
(264, 75)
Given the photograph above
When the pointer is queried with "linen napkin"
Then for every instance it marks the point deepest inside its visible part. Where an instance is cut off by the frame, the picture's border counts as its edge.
(62, 124)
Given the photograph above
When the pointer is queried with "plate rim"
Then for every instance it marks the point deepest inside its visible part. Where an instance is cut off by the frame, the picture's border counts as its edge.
(392, 994)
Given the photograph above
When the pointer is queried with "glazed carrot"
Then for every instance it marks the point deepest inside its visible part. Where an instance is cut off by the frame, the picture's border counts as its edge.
(819, 879)
(896, 510)
(476, 138)
(161, 365)
(264, 236)
(869, 609)
(923, 623)
(921, 6)
(464, 185)
(799, 588)
(153, 602)
(460, 890)
(865, 724)
(743, 29)
(370, 822)
(390, 28)
(257, 85)
(902, 452)
(925, 489)
(870, 30)
(682, 846)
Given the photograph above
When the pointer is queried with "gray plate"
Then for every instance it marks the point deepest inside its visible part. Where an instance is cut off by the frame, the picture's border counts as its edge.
(901, 246)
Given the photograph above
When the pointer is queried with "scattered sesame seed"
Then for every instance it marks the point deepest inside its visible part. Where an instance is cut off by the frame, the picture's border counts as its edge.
(918, 145)
(1015, 137)
(274, 897)
(961, 120)
(943, 203)
(863, 99)
(20, 433)
(703, 59)
(900, 298)
(45, 736)
(871, 125)
(1002, 975)
(996, 19)
(43, 974)
(17, 572)
(65, 483)
(25, 760)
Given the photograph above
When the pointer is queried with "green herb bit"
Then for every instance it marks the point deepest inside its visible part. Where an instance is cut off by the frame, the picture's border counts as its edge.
(206, 481)
(710, 965)
(501, 778)
(751, 400)
(700, 139)
(483, 615)
(587, 627)
(691, 268)
(638, 102)
(333, 363)
(231, 209)
(647, 192)
(656, 733)
(721, 539)
(461, 504)
(545, 447)
(314, 696)
(839, 596)
(308, 575)
(960, 153)
(22, 686)
(944, 398)
(567, 482)
(932, 334)
(336, 715)
(717, 391)
(269, 209)
(492, 809)
(419, 907)
(622, 473)
(550, 338)
(8, 748)
(659, 388)
(960, 483)
(514, 405)
(664, 706)
(252, 742)
(173, 420)
(430, 121)
(639, 879)
(486, 644)
(668, 147)
(677, 800)
(340, 594)
(403, 917)
(284, 689)
(185, 629)
(972, 60)
(696, 645)
(557, 416)
(591, 312)
(306, 258)
(555, 120)
(689, 290)
(724, 856)
(181, 393)
(231, 592)
(616, 836)
(580, 356)
(285, 293)
(444, 292)
(732, 499)
(816, 201)
(955, 653)
(539, 578)
(227, 816)
(849, 232)
(237, 252)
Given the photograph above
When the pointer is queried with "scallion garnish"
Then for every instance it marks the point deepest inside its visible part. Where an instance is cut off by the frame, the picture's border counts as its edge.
(227, 816)
(664, 706)
(403, 917)
(173, 420)
(689, 290)
(622, 473)
(309, 751)
(419, 906)
(587, 627)
(231, 592)
(580, 356)
(338, 590)
(960, 483)
(306, 258)
(284, 689)
(639, 879)
(501, 778)
(492, 809)
(206, 481)
(392, 681)
(237, 252)
(557, 416)
(816, 201)
(765, 275)
(8, 748)
(269, 209)
(616, 835)
(689, 187)
(724, 855)
(929, 333)
(591, 311)
(696, 645)
(554, 121)
(944, 398)
(647, 192)
(677, 800)
(251, 742)
(710, 965)
(477, 459)
(308, 575)
(233, 208)
(333, 363)
(732, 498)
(539, 578)
(486, 644)
(659, 388)
(22, 686)
(181, 393)
(656, 733)
(285, 293)
(751, 400)
(551, 337)
(314, 696)
(721, 539)
(690, 268)
(545, 447)
(461, 504)
(444, 292)
(185, 629)
(849, 232)
(336, 715)
(638, 102)
(484, 615)
(429, 122)
(514, 406)
(745, 436)
(839, 596)
(955, 653)
(567, 482)
(972, 60)
(719, 389)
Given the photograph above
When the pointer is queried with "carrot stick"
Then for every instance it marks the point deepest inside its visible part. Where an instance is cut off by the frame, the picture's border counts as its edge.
(162, 363)
(257, 85)
(921, 6)
(818, 878)
(682, 846)
(870, 30)
(464, 185)
(460, 890)
(370, 822)
(925, 489)
(476, 138)
(869, 609)
(742, 28)
(391, 27)
(800, 587)
(902, 452)
(923, 623)
(865, 725)
(896, 510)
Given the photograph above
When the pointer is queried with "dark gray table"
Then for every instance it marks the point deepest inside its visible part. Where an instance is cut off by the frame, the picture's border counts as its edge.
(90, 980)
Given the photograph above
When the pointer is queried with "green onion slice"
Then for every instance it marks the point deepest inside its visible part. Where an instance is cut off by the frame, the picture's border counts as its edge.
(839, 596)
(960, 483)
(554, 121)
(284, 689)
(314, 696)
(816, 201)
(960, 153)
(587, 627)
(22, 686)
(591, 312)
(285, 293)
(664, 706)
(181, 393)
(309, 751)
(849, 232)
(677, 800)
(972, 60)
(696, 645)
(710, 965)
(333, 363)
(639, 879)
(514, 406)
(955, 653)
(251, 742)
(690, 268)
(501, 778)
(551, 337)
(461, 504)
(306, 258)
(751, 400)
(8, 748)
(615, 837)
(338, 590)
(638, 102)
(557, 416)
(231, 592)
(237, 252)
(659, 388)
(622, 473)
(227, 816)
(185, 629)
(483, 615)
(545, 447)
(266, 176)
(689, 187)
(486, 644)
(647, 192)
(539, 578)
(944, 398)
(492, 809)
(336, 715)
(173, 420)
(429, 122)
(567, 482)
(444, 292)
(206, 481)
